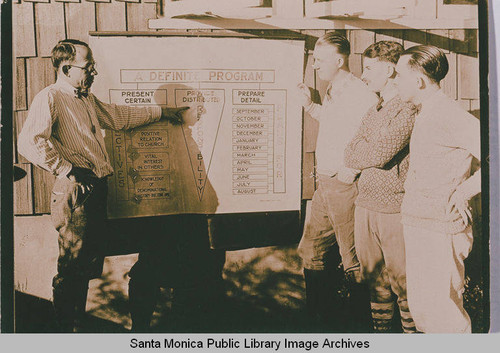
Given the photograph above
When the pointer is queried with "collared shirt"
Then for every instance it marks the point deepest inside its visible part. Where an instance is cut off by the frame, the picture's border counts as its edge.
(387, 94)
(62, 130)
(443, 142)
(339, 118)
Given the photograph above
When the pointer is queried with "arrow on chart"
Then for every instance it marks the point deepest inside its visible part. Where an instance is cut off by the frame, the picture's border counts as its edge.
(201, 129)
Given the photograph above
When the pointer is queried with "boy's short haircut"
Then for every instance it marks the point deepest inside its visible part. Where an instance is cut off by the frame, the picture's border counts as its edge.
(338, 41)
(429, 60)
(385, 51)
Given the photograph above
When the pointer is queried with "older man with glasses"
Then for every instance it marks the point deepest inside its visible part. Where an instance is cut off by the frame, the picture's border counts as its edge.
(62, 135)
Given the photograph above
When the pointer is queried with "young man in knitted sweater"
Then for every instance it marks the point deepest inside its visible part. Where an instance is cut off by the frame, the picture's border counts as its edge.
(380, 151)
(435, 210)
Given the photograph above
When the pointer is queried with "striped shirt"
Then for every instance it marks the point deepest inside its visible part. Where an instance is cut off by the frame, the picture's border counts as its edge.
(62, 130)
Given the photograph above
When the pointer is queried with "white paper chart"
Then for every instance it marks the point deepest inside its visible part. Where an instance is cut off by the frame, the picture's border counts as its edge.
(239, 149)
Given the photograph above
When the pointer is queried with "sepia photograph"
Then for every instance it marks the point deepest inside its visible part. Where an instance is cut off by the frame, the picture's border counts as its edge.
(247, 166)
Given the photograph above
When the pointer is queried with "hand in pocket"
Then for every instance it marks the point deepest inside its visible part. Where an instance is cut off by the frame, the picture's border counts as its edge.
(81, 193)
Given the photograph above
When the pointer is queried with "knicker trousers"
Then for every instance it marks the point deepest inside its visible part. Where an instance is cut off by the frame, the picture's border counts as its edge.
(381, 252)
(80, 218)
(331, 221)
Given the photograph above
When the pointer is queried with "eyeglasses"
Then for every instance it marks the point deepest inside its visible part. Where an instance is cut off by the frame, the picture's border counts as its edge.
(91, 69)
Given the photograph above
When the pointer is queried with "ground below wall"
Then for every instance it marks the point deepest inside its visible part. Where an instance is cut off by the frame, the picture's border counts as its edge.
(263, 291)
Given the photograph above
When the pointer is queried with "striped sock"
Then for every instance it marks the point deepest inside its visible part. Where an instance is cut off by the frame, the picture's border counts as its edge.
(406, 318)
(382, 314)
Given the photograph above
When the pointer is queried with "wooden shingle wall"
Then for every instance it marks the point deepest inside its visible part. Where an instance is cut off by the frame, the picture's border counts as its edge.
(38, 25)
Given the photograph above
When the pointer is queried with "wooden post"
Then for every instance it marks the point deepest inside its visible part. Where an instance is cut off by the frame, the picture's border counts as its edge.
(20, 85)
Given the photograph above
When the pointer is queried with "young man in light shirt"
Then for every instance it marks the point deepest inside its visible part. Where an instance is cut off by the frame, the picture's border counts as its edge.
(62, 134)
(329, 227)
(380, 150)
(435, 210)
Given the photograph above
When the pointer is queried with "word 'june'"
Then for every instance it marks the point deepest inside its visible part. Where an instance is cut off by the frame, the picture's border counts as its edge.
(252, 343)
